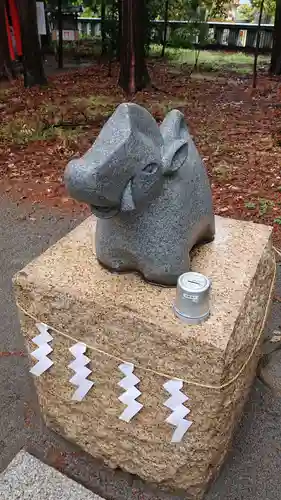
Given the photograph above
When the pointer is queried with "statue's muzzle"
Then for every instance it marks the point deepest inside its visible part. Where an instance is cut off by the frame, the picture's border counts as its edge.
(81, 184)
(108, 196)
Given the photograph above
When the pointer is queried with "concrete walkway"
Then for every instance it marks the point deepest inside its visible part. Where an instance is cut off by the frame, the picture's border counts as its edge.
(253, 468)
(27, 478)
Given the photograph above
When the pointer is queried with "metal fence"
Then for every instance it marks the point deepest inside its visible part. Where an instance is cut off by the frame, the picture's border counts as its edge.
(222, 35)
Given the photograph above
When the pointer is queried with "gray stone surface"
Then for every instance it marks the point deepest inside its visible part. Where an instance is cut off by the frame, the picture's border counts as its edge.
(27, 478)
(150, 191)
(253, 467)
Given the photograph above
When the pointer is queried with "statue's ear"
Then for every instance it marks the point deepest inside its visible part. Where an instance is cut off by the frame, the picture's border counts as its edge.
(174, 155)
(175, 137)
(174, 126)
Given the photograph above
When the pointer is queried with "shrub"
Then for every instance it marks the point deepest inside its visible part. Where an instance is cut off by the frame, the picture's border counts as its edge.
(183, 38)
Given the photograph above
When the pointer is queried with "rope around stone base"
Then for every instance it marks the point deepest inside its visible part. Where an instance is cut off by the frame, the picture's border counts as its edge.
(166, 375)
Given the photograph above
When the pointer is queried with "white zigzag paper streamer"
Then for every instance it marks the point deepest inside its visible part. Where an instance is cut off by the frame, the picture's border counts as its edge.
(132, 393)
(81, 371)
(179, 411)
(44, 363)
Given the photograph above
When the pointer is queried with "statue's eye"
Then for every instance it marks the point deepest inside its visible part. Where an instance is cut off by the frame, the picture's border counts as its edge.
(151, 168)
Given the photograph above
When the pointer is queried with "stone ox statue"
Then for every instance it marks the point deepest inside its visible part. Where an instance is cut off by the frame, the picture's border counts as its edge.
(150, 191)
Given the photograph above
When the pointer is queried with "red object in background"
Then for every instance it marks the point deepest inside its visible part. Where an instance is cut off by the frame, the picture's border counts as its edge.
(12, 21)
(16, 25)
(9, 36)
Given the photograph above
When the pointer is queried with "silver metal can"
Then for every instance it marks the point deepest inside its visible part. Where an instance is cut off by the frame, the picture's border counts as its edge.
(192, 298)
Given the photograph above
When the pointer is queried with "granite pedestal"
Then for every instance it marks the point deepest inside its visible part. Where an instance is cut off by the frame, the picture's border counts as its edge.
(67, 289)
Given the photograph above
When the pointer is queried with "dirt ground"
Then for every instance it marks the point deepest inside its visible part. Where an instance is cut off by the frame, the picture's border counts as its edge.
(237, 131)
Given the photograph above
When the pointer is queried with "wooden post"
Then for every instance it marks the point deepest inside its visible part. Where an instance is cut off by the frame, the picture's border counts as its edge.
(60, 30)
(166, 17)
(103, 33)
(257, 46)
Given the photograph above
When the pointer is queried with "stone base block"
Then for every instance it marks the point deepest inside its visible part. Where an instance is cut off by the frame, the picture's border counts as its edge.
(122, 315)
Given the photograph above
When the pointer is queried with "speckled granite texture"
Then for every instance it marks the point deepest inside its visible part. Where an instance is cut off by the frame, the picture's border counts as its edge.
(121, 314)
(149, 188)
(26, 478)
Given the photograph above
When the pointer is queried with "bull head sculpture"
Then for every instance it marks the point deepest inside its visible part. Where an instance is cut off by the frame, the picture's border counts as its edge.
(130, 175)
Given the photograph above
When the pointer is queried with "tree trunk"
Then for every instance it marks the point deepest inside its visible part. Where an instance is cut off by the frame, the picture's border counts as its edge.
(133, 71)
(5, 59)
(275, 66)
(166, 18)
(32, 60)
(103, 33)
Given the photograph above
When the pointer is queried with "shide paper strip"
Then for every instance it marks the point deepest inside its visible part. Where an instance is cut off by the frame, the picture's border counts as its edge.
(131, 392)
(78, 365)
(41, 354)
(179, 411)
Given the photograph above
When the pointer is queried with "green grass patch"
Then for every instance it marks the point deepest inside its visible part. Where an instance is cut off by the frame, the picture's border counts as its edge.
(212, 60)
(250, 205)
(94, 106)
(264, 206)
(4, 94)
(61, 121)
(160, 109)
(21, 131)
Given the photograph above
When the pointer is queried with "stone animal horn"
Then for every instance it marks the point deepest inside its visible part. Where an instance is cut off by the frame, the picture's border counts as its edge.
(127, 201)
(175, 136)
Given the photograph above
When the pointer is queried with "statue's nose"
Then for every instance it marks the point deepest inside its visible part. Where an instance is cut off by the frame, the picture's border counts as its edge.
(76, 180)
(85, 184)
